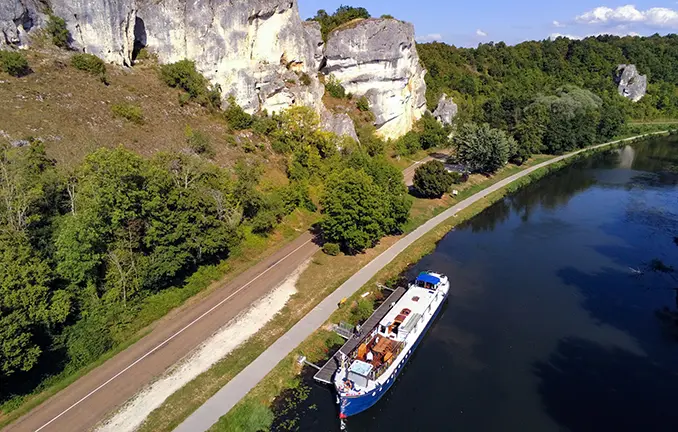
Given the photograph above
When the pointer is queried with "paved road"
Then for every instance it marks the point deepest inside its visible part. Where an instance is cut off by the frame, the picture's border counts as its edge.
(408, 173)
(84, 403)
(219, 404)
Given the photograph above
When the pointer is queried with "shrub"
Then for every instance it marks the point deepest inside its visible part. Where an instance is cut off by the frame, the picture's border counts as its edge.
(56, 27)
(87, 340)
(363, 104)
(362, 311)
(89, 63)
(236, 117)
(129, 112)
(331, 249)
(433, 134)
(431, 180)
(14, 63)
(183, 75)
(482, 148)
(408, 144)
(334, 88)
(305, 79)
(198, 142)
(263, 124)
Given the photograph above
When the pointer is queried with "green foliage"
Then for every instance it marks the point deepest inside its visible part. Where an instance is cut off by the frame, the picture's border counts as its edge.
(334, 88)
(235, 116)
(305, 79)
(362, 202)
(343, 15)
(129, 112)
(431, 180)
(408, 144)
(331, 249)
(89, 63)
(387, 16)
(362, 311)
(363, 104)
(14, 63)
(87, 340)
(482, 148)
(183, 75)
(433, 134)
(263, 124)
(56, 28)
(494, 82)
(198, 142)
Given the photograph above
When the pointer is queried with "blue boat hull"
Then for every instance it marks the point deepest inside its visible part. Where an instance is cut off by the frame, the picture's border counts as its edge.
(352, 405)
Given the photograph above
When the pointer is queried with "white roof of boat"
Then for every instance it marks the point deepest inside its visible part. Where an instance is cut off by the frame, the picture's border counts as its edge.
(408, 301)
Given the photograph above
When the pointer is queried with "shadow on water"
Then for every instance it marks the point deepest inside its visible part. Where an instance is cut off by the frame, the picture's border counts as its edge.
(589, 387)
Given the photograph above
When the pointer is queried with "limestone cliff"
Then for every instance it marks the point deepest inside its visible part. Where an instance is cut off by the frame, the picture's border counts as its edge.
(252, 49)
(631, 84)
(446, 110)
(378, 58)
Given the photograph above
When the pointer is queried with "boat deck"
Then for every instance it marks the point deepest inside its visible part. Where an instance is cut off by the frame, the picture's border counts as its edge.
(325, 374)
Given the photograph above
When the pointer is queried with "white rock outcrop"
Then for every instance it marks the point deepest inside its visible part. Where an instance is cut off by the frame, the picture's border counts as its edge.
(378, 58)
(630, 83)
(446, 110)
(255, 50)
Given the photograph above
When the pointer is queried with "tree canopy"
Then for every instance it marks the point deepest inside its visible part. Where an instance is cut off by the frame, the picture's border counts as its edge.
(341, 16)
(431, 180)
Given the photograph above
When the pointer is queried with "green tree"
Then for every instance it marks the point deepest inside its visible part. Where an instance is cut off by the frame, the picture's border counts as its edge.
(433, 134)
(342, 15)
(482, 148)
(353, 210)
(28, 305)
(431, 180)
(56, 27)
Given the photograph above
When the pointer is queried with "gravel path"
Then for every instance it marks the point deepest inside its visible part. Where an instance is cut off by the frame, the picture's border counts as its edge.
(229, 395)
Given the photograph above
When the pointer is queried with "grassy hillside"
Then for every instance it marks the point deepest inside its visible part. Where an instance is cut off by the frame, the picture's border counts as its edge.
(72, 111)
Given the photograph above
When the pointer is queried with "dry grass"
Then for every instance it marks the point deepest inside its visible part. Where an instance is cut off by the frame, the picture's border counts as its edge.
(71, 111)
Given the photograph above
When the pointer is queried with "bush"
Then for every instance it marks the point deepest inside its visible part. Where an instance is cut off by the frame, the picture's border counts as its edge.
(236, 117)
(56, 27)
(331, 249)
(431, 180)
(334, 88)
(263, 124)
(89, 63)
(14, 63)
(408, 144)
(363, 104)
(183, 75)
(129, 112)
(363, 310)
(433, 134)
(198, 142)
(305, 79)
(482, 148)
(87, 340)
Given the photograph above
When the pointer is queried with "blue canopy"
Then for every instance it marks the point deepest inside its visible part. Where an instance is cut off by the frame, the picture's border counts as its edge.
(425, 277)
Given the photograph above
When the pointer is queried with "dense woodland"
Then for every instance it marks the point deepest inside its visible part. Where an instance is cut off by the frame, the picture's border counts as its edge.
(84, 251)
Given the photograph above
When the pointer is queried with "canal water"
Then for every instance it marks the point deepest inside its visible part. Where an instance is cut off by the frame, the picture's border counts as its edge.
(558, 318)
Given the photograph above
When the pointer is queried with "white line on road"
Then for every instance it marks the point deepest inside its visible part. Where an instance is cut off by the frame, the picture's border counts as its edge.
(173, 336)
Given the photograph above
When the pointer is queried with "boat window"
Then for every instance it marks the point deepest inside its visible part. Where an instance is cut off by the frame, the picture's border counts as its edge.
(382, 329)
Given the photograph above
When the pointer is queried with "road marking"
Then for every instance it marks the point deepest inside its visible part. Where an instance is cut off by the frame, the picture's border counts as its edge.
(173, 336)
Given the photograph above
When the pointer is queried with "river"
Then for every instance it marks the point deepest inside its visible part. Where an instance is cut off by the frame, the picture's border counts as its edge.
(556, 320)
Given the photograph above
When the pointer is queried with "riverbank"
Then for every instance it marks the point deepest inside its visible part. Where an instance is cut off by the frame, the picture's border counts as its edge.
(315, 347)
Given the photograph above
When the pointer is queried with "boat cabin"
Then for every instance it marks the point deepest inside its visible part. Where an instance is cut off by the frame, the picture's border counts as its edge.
(427, 280)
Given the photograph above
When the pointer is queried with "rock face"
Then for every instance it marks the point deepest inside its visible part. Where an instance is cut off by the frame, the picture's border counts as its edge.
(446, 110)
(378, 58)
(17, 17)
(630, 83)
(338, 123)
(255, 50)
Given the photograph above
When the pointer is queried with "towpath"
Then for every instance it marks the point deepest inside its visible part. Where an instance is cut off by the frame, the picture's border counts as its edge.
(229, 395)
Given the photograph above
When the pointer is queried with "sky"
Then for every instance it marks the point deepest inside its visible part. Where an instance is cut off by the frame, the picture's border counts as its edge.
(469, 23)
